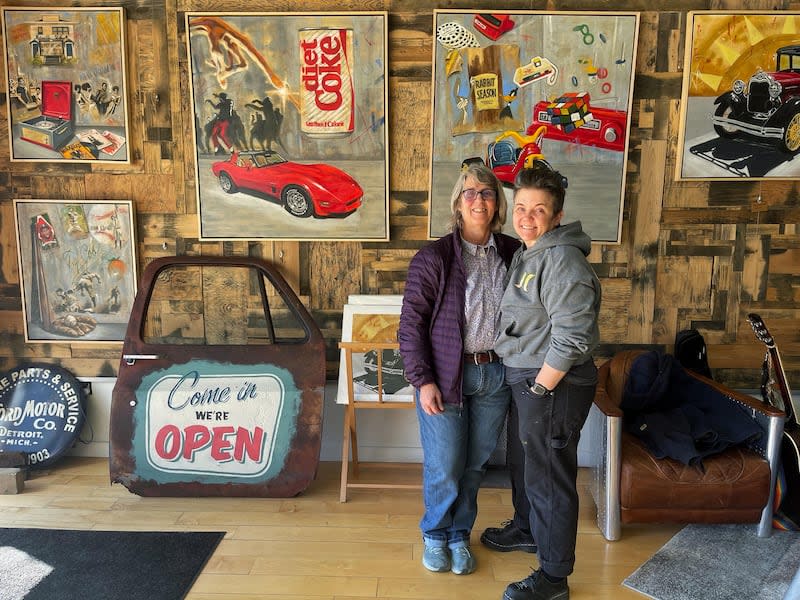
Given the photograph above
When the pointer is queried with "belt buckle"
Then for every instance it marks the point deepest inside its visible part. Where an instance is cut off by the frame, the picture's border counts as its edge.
(475, 356)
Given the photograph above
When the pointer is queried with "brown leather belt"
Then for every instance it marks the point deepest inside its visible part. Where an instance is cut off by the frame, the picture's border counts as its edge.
(481, 358)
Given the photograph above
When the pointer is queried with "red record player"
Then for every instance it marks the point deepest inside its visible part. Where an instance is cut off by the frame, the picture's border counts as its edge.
(56, 125)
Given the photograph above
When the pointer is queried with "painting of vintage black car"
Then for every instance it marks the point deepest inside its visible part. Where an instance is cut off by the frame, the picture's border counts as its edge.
(740, 106)
(766, 107)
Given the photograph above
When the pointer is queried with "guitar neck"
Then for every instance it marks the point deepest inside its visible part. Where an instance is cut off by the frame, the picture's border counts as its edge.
(783, 386)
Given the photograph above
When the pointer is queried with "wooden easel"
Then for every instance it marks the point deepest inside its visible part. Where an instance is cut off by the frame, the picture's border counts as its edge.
(349, 438)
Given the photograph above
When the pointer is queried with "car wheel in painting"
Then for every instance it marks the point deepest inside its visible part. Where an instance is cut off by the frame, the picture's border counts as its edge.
(297, 202)
(226, 183)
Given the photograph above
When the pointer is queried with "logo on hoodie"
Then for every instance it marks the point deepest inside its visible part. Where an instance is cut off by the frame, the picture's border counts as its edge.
(524, 280)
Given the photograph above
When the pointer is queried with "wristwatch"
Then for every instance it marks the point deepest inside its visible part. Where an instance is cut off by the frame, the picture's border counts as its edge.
(538, 389)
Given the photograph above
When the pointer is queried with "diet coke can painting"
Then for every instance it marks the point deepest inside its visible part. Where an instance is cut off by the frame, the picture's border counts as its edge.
(326, 101)
(290, 135)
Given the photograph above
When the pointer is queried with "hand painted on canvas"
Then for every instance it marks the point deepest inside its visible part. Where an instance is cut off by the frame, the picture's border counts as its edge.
(740, 109)
(378, 328)
(289, 113)
(77, 269)
(66, 84)
(373, 324)
(514, 88)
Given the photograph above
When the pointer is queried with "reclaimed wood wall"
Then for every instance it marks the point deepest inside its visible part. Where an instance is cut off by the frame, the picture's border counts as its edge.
(693, 254)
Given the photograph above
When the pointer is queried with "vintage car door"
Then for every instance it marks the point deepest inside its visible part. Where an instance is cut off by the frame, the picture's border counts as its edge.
(220, 383)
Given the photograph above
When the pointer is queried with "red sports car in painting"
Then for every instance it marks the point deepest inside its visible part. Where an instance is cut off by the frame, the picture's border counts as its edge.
(304, 190)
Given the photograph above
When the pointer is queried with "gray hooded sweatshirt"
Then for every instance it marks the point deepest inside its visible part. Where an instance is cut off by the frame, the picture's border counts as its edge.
(551, 304)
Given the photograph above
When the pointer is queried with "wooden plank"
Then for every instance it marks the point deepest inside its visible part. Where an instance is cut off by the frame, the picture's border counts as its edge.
(225, 305)
(135, 95)
(9, 267)
(645, 218)
(286, 256)
(684, 280)
(151, 193)
(613, 319)
(340, 261)
(411, 125)
(11, 323)
(735, 214)
(151, 155)
(60, 187)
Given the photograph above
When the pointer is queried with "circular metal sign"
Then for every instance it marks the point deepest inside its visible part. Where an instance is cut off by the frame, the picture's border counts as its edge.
(41, 412)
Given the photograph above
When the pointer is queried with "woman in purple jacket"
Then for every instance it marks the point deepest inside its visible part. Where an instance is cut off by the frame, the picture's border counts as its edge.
(448, 326)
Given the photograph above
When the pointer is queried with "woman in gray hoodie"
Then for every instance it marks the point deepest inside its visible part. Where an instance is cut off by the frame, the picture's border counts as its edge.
(548, 330)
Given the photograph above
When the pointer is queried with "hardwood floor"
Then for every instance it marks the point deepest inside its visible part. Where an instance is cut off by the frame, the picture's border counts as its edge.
(314, 547)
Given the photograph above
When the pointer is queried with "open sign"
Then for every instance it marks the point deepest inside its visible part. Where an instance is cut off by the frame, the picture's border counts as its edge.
(219, 393)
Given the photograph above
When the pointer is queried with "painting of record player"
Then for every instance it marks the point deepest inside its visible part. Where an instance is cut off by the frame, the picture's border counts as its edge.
(66, 84)
(55, 126)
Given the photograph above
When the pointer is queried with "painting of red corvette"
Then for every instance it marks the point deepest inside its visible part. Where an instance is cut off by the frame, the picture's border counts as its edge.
(304, 190)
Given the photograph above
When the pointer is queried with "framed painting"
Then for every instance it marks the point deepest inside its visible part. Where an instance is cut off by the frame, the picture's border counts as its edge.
(66, 84)
(516, 87)
(289, 125)
(373, 323)
(740, 105)
(77, 269)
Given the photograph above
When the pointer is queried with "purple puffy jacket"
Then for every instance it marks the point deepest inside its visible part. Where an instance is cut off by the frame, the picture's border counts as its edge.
(432, 316)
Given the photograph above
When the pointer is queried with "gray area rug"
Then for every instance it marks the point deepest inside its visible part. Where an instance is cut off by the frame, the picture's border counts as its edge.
(63, 564)
(721, 562)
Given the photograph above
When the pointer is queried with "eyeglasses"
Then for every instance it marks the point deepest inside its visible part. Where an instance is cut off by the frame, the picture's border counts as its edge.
(487, 194)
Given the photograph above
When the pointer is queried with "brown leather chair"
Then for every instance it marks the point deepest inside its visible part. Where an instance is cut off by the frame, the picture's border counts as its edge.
(632, 486)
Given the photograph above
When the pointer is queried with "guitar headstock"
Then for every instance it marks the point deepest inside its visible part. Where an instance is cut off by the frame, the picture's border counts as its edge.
(760, 329)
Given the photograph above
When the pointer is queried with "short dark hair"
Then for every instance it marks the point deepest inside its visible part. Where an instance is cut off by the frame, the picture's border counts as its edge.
(542, 176)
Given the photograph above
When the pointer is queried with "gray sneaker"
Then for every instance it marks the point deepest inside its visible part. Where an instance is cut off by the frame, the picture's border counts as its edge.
(436, 558)
(463, 563)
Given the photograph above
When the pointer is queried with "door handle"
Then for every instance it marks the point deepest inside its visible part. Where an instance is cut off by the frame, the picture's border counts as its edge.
(132, 358)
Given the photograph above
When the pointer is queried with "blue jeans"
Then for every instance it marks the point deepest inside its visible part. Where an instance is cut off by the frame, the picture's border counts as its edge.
(456, 446)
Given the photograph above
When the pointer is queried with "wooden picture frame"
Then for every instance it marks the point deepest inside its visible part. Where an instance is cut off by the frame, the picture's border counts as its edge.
(290, 135)
(77, 268)
(514, 87)
(375, 322)
(739, 121)
(67, 90)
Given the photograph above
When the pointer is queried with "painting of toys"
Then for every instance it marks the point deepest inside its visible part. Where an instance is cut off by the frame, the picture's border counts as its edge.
(66, 84)
(77, 269)
(513, 88)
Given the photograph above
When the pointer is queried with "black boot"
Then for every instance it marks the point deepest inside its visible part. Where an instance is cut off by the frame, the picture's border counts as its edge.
(537, 587)
(508, 538)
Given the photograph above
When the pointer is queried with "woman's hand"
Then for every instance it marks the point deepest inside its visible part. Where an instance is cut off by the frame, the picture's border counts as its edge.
(430, 399)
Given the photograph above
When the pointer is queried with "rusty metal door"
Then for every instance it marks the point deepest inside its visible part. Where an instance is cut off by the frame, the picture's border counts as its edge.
(220, 383)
